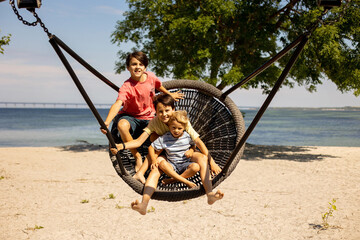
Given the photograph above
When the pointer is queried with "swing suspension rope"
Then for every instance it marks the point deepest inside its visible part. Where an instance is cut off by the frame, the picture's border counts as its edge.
(201, 98)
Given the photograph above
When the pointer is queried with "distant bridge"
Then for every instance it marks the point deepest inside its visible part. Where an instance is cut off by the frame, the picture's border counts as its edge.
(50, 105)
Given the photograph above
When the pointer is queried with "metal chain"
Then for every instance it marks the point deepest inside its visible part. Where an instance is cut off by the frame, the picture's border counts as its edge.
(41, 23)
(38, 20)
(19, 16)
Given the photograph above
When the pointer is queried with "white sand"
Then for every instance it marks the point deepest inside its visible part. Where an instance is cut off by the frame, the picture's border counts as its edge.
(274, 193)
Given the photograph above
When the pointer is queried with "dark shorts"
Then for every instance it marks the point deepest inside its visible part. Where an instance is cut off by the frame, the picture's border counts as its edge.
(136, 126)
(180, 167)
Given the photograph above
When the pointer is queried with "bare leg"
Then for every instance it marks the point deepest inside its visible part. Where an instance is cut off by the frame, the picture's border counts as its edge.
(149, 189)
(124, 130)
(214, 168)
(192, 169)
(202, 160)
(146, 164)
(169, 170)
(139, 175)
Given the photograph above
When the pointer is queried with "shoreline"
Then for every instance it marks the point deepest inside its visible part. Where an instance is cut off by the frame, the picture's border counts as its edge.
(275, 192)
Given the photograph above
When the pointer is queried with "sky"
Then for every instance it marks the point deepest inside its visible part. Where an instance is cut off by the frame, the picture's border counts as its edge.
(30, 70)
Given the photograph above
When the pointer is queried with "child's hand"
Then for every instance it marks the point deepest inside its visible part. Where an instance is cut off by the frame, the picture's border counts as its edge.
(103, 130)
(114, 151)
(155, 164)
(119, 147)
(189, 153)
(177, 95)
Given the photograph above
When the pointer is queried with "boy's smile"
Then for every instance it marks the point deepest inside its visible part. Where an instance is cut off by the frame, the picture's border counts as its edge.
(164, 112)
(136, 69)
(176, 129)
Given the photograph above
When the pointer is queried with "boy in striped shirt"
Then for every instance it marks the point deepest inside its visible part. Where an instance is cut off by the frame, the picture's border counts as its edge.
(176, 143)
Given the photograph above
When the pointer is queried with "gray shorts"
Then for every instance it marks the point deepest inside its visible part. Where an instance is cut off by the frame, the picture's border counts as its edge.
(136, 126)
(180, 167)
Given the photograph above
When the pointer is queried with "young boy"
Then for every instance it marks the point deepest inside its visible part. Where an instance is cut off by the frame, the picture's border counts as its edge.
(176, 143)
(136, 96)
(158, 126)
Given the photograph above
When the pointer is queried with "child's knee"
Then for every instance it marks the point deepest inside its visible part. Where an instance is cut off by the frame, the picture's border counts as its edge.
(163, 164)
(194, 167)
(202, 159)
(123, 125)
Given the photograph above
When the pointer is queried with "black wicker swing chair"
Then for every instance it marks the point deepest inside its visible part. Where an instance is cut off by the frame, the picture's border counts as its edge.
(220, 126)
(212, 113)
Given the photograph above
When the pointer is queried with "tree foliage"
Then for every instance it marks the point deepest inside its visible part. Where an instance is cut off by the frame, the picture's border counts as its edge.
(4, 40)
(221, 41)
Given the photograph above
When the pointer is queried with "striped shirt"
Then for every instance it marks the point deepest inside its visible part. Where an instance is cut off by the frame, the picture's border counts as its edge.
(175, 148)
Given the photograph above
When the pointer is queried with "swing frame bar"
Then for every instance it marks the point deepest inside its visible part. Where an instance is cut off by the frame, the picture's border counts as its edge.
(56, 43)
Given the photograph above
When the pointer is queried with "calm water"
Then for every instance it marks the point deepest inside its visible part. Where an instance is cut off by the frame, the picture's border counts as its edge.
(306, 127)
(278, 126)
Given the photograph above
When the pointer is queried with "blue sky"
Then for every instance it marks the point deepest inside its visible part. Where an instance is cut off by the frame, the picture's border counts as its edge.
(30, 70)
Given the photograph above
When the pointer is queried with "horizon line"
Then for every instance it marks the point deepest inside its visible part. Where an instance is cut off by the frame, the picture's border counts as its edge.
(102, 105)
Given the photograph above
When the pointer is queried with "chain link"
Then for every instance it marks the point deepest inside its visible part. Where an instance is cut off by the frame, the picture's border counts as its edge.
(41, 23)
(38, 20)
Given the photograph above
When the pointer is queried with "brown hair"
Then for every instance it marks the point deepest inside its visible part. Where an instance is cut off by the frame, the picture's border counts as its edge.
(165, 99)
(140, 56)
(179, 116)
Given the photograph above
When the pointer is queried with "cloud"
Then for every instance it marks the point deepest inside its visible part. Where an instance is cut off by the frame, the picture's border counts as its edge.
(19, 68)
(28, 81)
(110, 10)
(22, 69)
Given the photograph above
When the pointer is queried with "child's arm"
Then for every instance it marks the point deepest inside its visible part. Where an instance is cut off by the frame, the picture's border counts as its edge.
(201, 145)
(189, 153)
(175, 95)
(115, 108)
(131, 144)
(215, 169)
(136, 142)
(153, 156)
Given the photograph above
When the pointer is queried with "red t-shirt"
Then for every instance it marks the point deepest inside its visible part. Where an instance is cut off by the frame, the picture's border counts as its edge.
(137, 97)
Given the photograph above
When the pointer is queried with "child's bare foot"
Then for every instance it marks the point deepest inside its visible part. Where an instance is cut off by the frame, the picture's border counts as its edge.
(190, 184)
(139, 206)
(140, 177)
(213, 197)
(167, 181)
(214, 168)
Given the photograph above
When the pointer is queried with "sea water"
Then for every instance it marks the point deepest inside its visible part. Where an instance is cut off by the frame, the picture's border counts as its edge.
(278, 126)
(49, 127)
(306, 127)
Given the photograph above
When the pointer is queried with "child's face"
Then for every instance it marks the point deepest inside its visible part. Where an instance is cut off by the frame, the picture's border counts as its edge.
(176, 129)
(164, 112)
(136, 69)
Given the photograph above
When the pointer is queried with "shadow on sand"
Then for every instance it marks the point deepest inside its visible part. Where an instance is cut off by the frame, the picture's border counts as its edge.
(289, 153)
(84, 146)
(251, 152)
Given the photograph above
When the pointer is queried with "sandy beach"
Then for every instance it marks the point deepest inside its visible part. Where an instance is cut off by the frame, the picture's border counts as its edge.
(276, 192)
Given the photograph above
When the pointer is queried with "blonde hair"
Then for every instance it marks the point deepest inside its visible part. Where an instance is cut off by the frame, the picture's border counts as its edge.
(179, 116)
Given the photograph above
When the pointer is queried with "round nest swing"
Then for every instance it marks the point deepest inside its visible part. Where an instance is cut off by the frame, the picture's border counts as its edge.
(220, 125)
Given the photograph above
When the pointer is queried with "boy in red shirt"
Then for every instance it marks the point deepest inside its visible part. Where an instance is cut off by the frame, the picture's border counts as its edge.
(136, 97)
